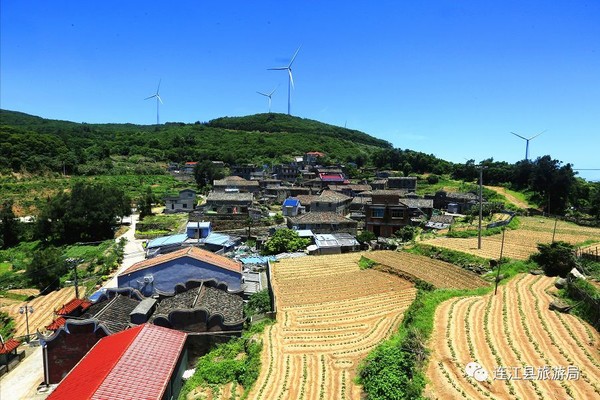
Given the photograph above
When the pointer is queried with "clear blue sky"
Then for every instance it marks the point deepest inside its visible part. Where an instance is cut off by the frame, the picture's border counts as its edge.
(450, 78)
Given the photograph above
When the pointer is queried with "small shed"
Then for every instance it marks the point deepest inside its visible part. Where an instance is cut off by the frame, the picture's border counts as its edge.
(290, 207)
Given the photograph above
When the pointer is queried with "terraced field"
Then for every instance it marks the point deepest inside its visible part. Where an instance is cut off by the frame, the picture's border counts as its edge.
(43, 310)
(520, 243)
(547, 355)
(330, 315)
(439, 273)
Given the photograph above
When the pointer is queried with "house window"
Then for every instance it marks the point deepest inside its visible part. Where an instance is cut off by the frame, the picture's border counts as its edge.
(397, 214)
(377, 212)
(184, 205)
(172, 206)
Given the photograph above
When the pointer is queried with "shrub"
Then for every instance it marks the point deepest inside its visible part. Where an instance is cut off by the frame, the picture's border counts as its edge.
(556, 258)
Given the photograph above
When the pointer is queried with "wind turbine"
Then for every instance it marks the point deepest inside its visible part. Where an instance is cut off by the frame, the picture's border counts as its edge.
(158, 99)
(290, 78)
(527, 142)
(268, 95)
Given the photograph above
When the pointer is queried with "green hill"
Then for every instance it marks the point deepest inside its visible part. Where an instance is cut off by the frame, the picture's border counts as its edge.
(34, 144)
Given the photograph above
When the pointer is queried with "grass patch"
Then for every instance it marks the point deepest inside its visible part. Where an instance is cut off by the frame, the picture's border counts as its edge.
(5, 267)
(7, 326)
(458, 258)
(366, 263)
(236, 361)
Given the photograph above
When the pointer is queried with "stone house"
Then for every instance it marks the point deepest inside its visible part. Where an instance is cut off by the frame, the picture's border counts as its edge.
(323, 222)
(385, 214)
(184, 202)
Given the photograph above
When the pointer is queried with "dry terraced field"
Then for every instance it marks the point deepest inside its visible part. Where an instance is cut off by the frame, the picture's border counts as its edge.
(515, 328)
(43, 310)
(439, 273)
(330, 315)
(522, 242)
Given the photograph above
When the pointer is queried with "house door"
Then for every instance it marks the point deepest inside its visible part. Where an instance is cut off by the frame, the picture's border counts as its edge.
(377, 230)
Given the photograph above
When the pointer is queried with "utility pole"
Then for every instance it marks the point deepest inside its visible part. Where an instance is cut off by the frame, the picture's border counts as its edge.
(73, 262)
(499, 261)
(26, 309)
(481, 167)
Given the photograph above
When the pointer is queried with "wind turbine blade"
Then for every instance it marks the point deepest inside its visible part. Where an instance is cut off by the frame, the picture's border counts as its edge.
(294, 57)
(524, 138)
(158, 97)
(277, 69)
(291, 78)
(272, 91)
(150, 97)
(158, 88)
(263, 94)
(533, 137)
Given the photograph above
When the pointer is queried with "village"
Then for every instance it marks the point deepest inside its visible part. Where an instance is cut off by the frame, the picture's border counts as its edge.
(188, 289)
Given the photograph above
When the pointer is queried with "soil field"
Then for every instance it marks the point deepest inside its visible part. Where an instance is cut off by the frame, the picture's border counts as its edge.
(522, 242)
(439, 273)
(330, 315)
(509, 196)
(528, 351)
(43, 310)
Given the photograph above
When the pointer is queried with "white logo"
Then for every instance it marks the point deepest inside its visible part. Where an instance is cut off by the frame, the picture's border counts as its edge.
(475, 370)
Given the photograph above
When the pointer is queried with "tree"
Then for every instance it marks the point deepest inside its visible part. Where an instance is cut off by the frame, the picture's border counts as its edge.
(284, 241)
(556, 258)
(10, 226)
(145, 204)
(406, 233)
(88, 213)
(45, 269)
(258, 303)
(365, 236)
(205, 172)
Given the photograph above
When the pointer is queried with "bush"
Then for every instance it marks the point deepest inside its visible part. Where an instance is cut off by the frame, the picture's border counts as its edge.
(285, 241)
(556, 258)
(258, 303)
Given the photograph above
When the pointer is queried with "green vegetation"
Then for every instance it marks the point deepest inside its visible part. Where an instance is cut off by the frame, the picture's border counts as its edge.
(258, 303)
(88, 213)
(283, 241)
(461, 259)
(395, 369)
(513, 224)
(236, 361)
(585, 298)
(555, 258)
(366, 263)
(7, 325)
(159, 225)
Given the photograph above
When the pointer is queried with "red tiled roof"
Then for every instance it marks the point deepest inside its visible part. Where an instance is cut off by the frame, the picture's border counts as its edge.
(9, 346)
(192, 252)
(72, 306)
(57, 323)
(316, 153)
(134, 364)
(191, 163)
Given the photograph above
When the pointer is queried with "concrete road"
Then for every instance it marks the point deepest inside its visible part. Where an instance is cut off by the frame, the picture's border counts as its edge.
(22, 382)
(134, 252)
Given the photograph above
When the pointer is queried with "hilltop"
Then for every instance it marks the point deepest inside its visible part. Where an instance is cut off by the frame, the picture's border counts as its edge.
(35, 144)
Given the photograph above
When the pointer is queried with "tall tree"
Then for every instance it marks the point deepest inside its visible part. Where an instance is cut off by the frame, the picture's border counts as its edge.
(88, 213)
(46, 268)
(205, 172)
(10, 226)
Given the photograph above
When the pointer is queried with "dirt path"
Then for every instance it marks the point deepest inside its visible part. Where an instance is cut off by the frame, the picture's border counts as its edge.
(511, 198)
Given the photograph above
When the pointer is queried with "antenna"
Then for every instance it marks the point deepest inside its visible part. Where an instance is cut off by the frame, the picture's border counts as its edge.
(158, 99)
(268, 95)
(527, 142)
(290, 77)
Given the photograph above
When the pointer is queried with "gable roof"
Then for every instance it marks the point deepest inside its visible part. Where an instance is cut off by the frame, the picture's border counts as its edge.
(192, 252)
(73, 305)
(9, 346)
(332, 197)
(117, 366)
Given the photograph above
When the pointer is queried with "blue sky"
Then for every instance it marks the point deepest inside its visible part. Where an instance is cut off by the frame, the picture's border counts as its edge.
(450, 78)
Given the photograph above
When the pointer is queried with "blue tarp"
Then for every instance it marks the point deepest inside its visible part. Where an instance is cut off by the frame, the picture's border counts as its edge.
(291, 202)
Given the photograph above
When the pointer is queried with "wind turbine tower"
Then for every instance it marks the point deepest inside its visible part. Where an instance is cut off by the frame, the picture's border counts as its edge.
(158, 101)
(288, 68)
(527, 143)
(268, 95)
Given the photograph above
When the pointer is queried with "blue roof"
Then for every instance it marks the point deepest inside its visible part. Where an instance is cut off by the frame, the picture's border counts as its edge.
(291, 202)
(219, 239)
(257, 259)
(167, 240)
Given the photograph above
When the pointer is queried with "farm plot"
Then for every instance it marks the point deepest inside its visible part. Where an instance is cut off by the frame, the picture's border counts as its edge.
(43, 310)
(439, 273)
(330, 314)
(520, 243)
(528, 351)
